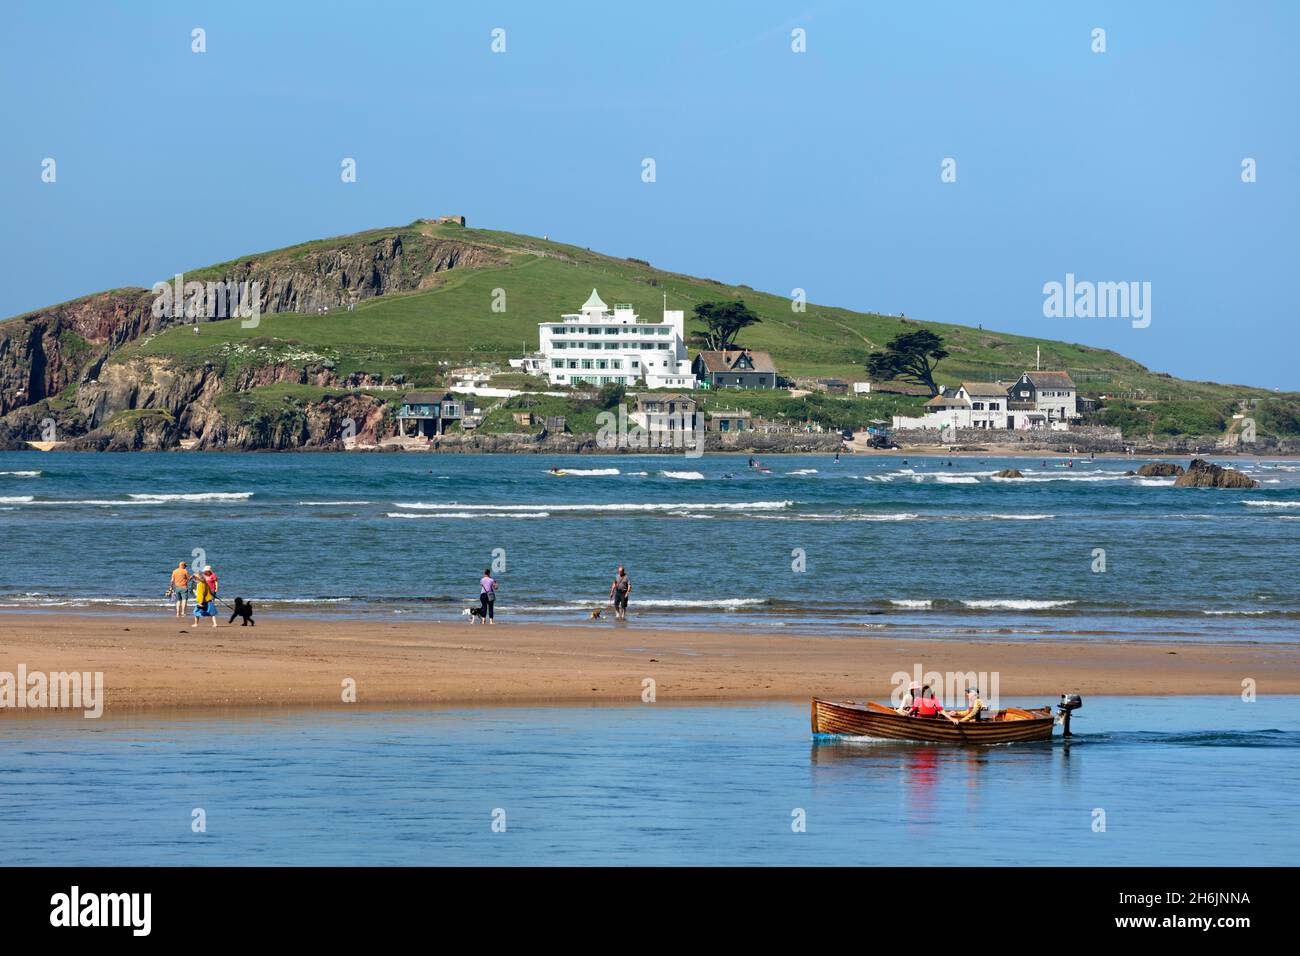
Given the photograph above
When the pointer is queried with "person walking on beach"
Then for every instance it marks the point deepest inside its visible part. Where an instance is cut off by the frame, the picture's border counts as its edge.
(619, 592)
(205, 596)
(180, 587)
(487, 595)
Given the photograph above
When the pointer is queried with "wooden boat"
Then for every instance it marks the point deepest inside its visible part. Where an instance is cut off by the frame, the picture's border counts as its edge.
(856, 719)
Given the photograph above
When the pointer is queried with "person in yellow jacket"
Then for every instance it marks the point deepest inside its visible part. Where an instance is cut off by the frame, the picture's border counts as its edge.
(974, 707)
(203, 600)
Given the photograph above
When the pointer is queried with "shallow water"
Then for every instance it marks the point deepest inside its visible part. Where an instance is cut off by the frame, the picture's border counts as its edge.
(906, 548)
(1182, 781)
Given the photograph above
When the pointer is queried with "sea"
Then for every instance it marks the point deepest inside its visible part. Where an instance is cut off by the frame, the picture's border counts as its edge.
(1172, 781)
(903, 546)
(910, 548)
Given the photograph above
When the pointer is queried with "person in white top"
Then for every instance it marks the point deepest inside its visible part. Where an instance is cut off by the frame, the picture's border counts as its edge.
(910, 699)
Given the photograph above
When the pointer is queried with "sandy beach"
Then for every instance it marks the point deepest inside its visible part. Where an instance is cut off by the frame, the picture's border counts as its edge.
(159, 662)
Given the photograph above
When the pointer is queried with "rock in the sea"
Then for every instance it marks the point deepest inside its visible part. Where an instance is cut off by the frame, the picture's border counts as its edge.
(1009, 473)
(1203, 474)
(1130, 474)
(1160, 469)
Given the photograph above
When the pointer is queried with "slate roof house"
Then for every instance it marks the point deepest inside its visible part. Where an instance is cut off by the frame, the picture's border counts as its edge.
(735, 368)
(1036, 400)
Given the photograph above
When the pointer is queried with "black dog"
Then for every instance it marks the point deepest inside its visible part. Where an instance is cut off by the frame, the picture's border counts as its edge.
(245, 610)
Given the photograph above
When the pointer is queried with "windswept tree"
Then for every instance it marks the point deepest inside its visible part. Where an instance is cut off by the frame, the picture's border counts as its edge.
(911, 356)
(722, 321)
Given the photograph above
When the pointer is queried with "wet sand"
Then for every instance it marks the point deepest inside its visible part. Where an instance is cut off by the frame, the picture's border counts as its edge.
(159, 662)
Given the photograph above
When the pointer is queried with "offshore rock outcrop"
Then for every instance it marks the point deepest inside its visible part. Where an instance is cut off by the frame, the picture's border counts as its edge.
(1203, 474)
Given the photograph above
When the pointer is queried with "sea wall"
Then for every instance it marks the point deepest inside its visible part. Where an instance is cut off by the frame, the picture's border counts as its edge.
(1090, 438)
(757, 443)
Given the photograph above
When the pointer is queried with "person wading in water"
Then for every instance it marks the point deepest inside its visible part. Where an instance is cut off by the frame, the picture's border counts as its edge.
(619, 592)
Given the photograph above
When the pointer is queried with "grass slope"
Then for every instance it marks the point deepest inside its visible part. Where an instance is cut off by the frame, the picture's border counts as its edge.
(454, 322)
(418, 334)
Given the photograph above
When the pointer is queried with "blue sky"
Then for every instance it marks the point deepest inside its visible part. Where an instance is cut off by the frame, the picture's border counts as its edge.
(780, 170)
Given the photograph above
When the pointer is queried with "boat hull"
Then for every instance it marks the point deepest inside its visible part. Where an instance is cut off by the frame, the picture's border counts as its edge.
(854, 719)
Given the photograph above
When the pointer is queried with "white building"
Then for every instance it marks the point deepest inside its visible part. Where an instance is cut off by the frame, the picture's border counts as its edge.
(1036, 400)
(1041, 399)
(602, 346)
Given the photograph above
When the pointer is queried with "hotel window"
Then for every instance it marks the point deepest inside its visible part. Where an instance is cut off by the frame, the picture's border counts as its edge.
(635, 364)
(586, 363)
(557, 363)
(616, 363)
(977, 406)
(573, 363)
(601, 363)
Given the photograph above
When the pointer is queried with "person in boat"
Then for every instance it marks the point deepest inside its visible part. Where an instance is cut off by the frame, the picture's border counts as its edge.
(619, 592)
(909, 699)
(974, 708)
(928, 705)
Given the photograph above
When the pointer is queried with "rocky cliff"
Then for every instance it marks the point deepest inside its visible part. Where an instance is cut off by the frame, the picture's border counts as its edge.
(59, 375)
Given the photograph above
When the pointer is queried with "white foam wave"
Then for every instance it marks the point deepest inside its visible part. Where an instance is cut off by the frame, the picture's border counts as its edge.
(683, 475)
(16, 499)
(323, 503)
(803, 471)
(619, 506)
(196, 496)
(814, 516)
(903, 602)
(589, 472)
(1016, 605)
(470, 514)
(21, 474)
(707, 602)
(1256, 503)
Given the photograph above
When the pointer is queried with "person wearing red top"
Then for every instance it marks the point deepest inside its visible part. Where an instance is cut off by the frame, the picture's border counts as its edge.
(928, 705)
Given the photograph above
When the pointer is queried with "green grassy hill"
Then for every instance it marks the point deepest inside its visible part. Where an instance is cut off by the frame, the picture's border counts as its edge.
(433, 308)
(411, 333)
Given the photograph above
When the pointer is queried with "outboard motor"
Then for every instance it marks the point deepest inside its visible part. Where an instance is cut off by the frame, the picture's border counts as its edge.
(1069, 703)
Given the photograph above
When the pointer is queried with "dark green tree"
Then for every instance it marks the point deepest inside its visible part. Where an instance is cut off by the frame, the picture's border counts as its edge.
(911, 356)
(723, 320)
